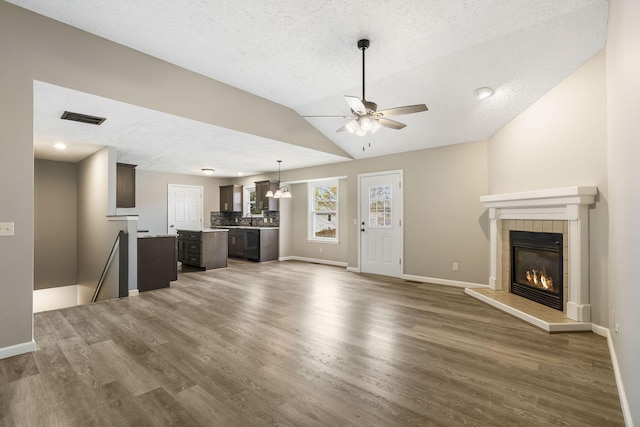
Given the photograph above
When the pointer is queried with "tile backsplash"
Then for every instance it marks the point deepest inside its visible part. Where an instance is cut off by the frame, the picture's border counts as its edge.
(225, 219)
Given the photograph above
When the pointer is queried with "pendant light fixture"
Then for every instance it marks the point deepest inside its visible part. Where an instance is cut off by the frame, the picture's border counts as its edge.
(282, 192)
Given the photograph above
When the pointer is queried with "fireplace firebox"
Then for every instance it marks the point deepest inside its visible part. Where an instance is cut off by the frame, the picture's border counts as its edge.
(536, 267)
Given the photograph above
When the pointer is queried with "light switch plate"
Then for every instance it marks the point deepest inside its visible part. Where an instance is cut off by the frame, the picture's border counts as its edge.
(6, 228)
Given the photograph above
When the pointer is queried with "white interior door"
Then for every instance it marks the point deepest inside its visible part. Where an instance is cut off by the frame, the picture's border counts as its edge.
(185, 208)
(381, 223)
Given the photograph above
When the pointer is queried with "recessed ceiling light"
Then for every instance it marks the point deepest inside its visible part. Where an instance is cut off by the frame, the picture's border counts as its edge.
(484, 92)
(208, 171)
(240, 174)
(60, 146)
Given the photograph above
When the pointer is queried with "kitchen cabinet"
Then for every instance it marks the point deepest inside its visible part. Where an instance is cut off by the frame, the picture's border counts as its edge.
(255, 244)
(236, 243)
(263, 202)
(231, 198)
(125, 185)
(157, 263)
(203, 249)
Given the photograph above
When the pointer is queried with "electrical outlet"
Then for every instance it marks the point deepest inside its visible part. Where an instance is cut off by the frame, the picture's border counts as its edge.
(320, 249)
(265, 220)
(270, 220)
(6, 229)
(236, 220)
(355, 221)
(455, 266)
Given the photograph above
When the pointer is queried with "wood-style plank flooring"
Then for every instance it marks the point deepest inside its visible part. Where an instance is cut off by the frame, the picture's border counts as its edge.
(298, 344)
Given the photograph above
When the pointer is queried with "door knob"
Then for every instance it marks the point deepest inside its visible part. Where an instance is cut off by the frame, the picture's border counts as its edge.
(362, 229)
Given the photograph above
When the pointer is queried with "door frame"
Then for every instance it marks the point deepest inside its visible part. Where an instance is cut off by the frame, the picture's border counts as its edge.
(169, 187)
(401, 218)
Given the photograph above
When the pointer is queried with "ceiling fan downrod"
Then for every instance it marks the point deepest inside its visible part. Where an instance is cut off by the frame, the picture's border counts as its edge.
(363, 45)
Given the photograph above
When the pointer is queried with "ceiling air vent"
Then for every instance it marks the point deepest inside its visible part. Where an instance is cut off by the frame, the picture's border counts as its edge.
(83, 118)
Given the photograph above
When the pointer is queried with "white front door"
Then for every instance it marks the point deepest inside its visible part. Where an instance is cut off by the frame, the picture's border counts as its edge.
(184, 208)
(381, 223)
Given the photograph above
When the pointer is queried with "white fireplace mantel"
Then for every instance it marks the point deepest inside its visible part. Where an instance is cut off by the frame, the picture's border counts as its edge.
(568, 204)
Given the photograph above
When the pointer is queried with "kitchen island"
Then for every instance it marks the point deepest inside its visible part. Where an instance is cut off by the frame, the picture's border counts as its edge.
(203, 249)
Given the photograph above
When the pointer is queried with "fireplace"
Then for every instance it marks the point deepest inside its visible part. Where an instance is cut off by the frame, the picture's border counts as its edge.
(536, 267)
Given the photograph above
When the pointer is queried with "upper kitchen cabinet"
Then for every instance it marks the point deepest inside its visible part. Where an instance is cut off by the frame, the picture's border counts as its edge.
(125, 185)
(262, 201)
(231, 198)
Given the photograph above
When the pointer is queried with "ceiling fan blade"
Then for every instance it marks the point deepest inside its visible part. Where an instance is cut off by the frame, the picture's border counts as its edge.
(356, 104)
(352, 127)
(397, 111)
(389, 123)
(327, 117)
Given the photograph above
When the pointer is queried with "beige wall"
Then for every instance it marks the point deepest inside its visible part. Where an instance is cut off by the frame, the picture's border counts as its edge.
(561, 141)
(36, 48)
(96, 234)
(151, 198)
(55, 219)
(444, 220)
(623, 90)
(298, 223)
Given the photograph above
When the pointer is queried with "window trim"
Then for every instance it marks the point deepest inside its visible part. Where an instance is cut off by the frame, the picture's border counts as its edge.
(311, 213)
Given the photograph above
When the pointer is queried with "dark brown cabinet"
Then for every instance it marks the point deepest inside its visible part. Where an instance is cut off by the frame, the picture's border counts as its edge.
(157, 264)
(263, 202)
(236, 243)
(256, 244)
(125, 185)
(203, 249)
(231, 198)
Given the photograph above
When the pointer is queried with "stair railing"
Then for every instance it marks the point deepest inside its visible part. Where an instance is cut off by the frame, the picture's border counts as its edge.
(105, 270)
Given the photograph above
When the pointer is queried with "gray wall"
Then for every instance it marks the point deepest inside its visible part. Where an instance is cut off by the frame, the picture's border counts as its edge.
(561, 141)
(623, 92)
(444, 220)
(55, 219)
(298, 223)
(151, 198)
(96, 234)
(36, 48)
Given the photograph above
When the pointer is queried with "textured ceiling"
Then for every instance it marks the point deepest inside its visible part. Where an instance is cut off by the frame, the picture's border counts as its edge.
(303, 54)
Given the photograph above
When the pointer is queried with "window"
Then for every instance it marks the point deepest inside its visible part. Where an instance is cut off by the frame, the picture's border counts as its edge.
(250, 202)
(323, 211)
(380, 206)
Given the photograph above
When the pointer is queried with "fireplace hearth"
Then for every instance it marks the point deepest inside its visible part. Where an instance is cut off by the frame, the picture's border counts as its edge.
(536, 267)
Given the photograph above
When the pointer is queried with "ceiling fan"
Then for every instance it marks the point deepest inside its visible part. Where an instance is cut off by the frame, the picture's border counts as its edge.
(366, 117)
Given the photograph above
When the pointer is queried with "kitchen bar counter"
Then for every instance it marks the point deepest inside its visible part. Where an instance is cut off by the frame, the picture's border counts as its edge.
(157, 264)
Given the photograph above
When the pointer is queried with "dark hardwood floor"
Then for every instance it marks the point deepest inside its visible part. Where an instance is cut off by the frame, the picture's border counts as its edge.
(299, 344)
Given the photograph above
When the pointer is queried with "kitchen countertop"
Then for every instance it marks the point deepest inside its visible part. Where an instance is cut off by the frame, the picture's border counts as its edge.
(148, 236)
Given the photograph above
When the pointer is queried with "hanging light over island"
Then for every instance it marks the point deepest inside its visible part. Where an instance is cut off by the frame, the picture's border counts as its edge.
(282, 192)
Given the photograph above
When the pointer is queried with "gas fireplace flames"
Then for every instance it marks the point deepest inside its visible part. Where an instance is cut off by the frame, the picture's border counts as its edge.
(539, 279)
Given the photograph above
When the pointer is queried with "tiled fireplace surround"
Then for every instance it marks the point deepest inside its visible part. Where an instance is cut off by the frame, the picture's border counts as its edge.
(559, 210)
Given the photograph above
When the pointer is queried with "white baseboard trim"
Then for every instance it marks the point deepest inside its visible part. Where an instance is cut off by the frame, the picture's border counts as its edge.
(313, 260)
(14, 350)
(353, 269)
(624, 403)
(445, 282)
(134, 292)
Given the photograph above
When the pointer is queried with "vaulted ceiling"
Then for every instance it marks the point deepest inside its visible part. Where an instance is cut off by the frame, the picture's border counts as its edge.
(302, 54)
